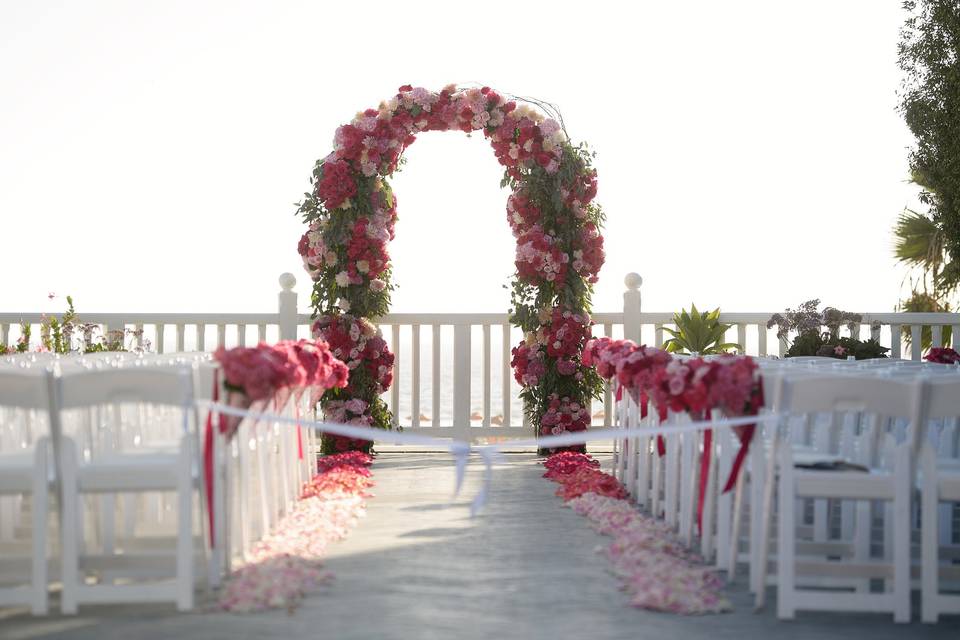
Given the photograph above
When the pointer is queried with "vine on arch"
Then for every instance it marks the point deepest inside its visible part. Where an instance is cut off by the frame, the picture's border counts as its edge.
(351, 211)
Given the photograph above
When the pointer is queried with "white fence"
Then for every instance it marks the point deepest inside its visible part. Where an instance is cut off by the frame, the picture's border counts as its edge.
(452, 373)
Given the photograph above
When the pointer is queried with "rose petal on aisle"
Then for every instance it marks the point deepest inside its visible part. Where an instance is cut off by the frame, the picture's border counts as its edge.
(657, 571)
(286, 564)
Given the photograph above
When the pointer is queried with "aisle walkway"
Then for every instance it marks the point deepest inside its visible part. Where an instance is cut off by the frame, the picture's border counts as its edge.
(418, 567)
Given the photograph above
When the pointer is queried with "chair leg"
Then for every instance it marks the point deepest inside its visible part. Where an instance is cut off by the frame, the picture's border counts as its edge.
(655, 484)
(786, 530)
(928, 538)
(736, 518)
(185, 528)
(643, 472)
(41, 494)
(861, 540)
(671, 480)
(758, 474)
(766, 515)
(903, 479)
(70, 527)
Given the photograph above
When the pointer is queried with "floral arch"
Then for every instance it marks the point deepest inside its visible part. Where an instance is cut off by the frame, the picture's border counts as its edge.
(351, 211)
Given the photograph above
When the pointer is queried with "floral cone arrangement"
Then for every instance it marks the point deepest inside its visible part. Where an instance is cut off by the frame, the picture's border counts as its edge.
(657, 571)
(351, 212)
(942, 355)
(271, 372)
(286, 564)
(696, 386)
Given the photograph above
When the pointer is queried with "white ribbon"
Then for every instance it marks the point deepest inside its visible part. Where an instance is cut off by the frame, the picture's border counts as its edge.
(489, 453)
(461, 454)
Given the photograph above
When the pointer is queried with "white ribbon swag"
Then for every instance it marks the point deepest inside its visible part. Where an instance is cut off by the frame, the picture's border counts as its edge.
(461, 450)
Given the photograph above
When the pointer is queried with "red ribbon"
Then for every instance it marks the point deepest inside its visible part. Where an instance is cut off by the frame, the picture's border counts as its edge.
(208, 454)
(745, 435)
(296, 406)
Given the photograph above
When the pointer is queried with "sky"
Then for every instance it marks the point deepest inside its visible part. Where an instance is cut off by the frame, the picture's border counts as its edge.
(750, 154)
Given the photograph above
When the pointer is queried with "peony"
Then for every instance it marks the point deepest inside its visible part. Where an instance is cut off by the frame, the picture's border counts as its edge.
(377, 285)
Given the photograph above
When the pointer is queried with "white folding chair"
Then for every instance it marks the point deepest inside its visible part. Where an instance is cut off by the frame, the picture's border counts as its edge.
(939, 484)
(884, 398)
(25, 470)
(122, 472)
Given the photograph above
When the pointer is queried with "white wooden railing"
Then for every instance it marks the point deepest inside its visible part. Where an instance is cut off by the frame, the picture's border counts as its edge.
(456, 366)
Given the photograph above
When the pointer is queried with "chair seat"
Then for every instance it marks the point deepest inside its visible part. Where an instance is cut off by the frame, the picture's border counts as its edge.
(872, 485)
(16, 473)
(130, 472)
(948, 485)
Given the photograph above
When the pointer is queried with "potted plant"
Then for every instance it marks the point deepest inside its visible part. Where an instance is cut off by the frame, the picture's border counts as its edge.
(698, 333)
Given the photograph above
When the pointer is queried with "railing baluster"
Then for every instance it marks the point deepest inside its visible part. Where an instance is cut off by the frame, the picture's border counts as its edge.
(201, 337)
(486, 376)
(241, 335)
(221, 335)
(916, 348)
(461, 378)
(435, 373)
(742, 337)
(139, 329)
(607, 387)
(395, 391)
(936, 332)
(159, 336)
(955, 335)
(855, 331)
(5, 334)
(762, 339)
(875, 332)
(895, 341)
(505, 366)
(179, 333)
(658, 335)
(415, 377)
(261, 332)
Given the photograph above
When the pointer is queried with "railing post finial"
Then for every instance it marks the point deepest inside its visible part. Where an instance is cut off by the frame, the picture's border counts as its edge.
(287, 307)
(633, 281)
(631, 307)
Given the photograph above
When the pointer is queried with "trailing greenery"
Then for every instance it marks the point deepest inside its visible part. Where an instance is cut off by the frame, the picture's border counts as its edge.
(699, 333)
(929, 56)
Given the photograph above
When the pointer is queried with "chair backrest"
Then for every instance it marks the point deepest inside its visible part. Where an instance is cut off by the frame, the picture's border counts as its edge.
(894, 397)
(25, 406)
(171, 386)
(886, 398)
(24, 389)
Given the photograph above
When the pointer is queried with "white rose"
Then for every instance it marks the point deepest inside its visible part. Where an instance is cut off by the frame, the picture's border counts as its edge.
(344, 305)
(363, 266)
(343, 279)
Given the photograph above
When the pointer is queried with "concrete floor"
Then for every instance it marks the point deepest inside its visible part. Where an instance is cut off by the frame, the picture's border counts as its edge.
(419, 567)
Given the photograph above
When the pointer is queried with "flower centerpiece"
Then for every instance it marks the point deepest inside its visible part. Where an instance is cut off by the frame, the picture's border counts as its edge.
(807, 321)
(351, 212)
